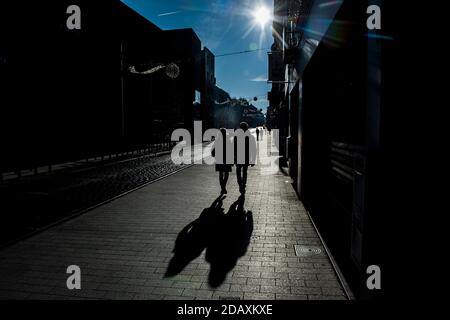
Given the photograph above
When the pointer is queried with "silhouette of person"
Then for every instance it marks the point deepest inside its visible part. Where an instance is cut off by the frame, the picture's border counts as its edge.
(222, 167)
(257, 134)
(249, 150)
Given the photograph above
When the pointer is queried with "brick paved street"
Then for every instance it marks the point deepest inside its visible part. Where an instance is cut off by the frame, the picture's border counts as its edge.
(34, 202)
(124, 247)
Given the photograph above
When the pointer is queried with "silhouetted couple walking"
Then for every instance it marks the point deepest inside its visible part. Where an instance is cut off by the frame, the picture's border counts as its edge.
(244, 146)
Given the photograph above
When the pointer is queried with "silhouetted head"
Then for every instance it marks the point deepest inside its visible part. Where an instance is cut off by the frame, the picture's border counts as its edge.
(244, 126)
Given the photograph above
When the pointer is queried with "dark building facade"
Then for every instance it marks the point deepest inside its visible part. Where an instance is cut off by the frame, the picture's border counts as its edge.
(177, 77)
(276, 112)
(46, 93)
(69, 93)
(327, 107)
(220, 95)
(208, 85)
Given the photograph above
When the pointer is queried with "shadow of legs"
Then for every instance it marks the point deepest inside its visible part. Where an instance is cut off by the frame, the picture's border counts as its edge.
(230, 243)
(195, 237)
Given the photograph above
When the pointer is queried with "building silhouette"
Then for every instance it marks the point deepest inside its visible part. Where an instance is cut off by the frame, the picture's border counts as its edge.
(75, 93)
(325, 101)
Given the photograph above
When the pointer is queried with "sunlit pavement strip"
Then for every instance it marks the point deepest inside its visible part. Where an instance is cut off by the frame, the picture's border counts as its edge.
(123, 248)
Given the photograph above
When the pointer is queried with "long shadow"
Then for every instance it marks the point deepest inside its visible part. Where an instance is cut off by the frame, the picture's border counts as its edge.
(225, 236)
(230, 242)
(195, 237)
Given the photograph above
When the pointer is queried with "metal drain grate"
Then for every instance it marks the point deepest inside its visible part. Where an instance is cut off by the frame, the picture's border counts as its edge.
(307, 251)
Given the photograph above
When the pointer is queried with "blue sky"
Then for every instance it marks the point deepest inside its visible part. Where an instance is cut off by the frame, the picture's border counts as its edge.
(224, 26)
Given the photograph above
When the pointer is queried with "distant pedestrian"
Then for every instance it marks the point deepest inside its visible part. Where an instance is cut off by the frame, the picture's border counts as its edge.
(222, 166)
(257, 134)
(245, 155)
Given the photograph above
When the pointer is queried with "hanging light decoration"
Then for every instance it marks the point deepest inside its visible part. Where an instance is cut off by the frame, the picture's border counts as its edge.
(172, 70)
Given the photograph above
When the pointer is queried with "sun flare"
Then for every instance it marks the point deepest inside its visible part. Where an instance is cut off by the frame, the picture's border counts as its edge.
(262, 16)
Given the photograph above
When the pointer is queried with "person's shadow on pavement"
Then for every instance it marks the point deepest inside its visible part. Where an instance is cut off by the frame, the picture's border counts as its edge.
(195, 237)
(225, 236)
(230, 242)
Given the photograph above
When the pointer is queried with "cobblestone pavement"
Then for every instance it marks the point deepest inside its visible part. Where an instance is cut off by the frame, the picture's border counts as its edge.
(125, 247)
(34, 202)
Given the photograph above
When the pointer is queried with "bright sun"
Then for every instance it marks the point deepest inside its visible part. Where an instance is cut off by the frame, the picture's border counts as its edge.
(262, 16)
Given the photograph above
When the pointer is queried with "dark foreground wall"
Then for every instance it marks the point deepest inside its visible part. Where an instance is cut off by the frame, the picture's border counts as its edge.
(341, 157)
